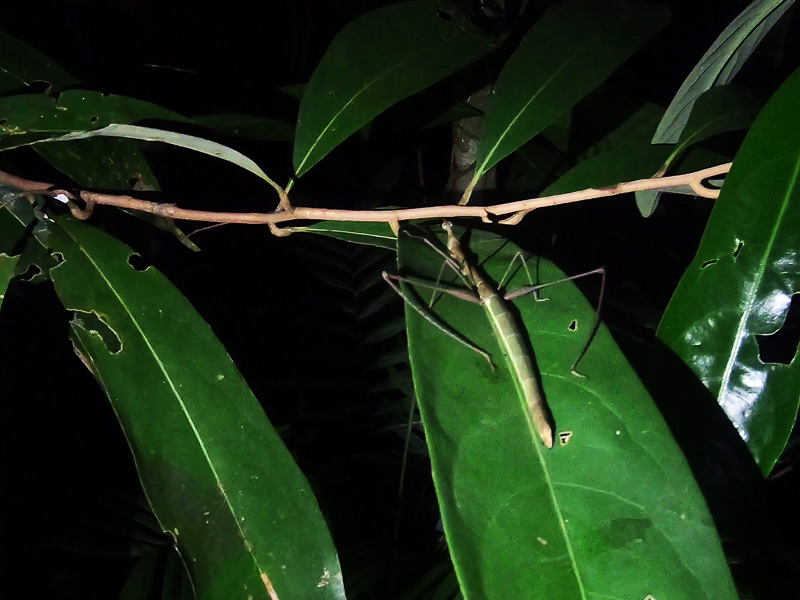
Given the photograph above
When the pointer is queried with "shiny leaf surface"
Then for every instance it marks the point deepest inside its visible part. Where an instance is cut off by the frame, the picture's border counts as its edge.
(216, 473)
(571, 50)
(377, 60)
(741, 282)
(612, 513)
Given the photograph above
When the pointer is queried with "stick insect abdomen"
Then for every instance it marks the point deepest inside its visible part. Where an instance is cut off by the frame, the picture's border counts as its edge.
(517, 354)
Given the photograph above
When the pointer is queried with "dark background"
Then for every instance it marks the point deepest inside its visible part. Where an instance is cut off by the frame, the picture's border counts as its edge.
(68, 476)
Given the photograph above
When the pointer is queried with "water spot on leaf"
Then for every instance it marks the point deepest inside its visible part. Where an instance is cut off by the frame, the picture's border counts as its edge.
(95, 325)
(781, 346)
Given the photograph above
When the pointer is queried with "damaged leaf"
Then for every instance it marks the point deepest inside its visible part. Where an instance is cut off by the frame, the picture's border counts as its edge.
(611, 512)
(217, 475)
(740, 283)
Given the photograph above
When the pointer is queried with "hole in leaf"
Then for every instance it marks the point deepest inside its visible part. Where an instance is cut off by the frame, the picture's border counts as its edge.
(94, 324)
(30, 273)
(781, 346)
(39, 87)
(739, 246)
(138, 262)
(93, 119)
(445, 16)
(134, 181)
(3, 122)
(708, 263)
(58, 256)
(573, 326)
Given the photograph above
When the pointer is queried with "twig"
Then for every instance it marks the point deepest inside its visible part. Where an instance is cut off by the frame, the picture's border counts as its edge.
(516, 210)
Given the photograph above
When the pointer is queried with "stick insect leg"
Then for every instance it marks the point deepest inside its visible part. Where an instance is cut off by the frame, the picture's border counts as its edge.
(431, 318)
(529, 289)
(519, 256)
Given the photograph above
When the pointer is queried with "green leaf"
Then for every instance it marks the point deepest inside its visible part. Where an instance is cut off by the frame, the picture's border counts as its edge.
(637, 128)
(149, 134)
(22, 65)
(720, 110)
(614, 513)
(216, 473)
(627, 163)
(720, 64)
(8, 264)
(248, 126)
(109, 164)
(377, 60)
(575, 46)
(366, 233)
(533, 164)
(39, 116)
(741, 282)
(17, 220)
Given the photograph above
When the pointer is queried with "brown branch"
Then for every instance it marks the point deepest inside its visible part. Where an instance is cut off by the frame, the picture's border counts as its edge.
(516, 210)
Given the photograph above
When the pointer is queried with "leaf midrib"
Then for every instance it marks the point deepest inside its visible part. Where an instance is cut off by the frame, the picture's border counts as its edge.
(175, 391)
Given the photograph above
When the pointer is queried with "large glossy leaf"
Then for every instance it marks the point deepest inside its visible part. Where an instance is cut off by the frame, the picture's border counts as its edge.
(718, 66)
(741, 282)
(573, 48)
(216, 473)
(612, 513)
(377, 60)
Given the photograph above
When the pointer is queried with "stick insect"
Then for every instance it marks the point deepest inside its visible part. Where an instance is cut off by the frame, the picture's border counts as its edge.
(507, 329)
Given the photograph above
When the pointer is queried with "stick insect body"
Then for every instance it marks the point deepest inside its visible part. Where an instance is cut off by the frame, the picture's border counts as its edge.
(509, 333)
